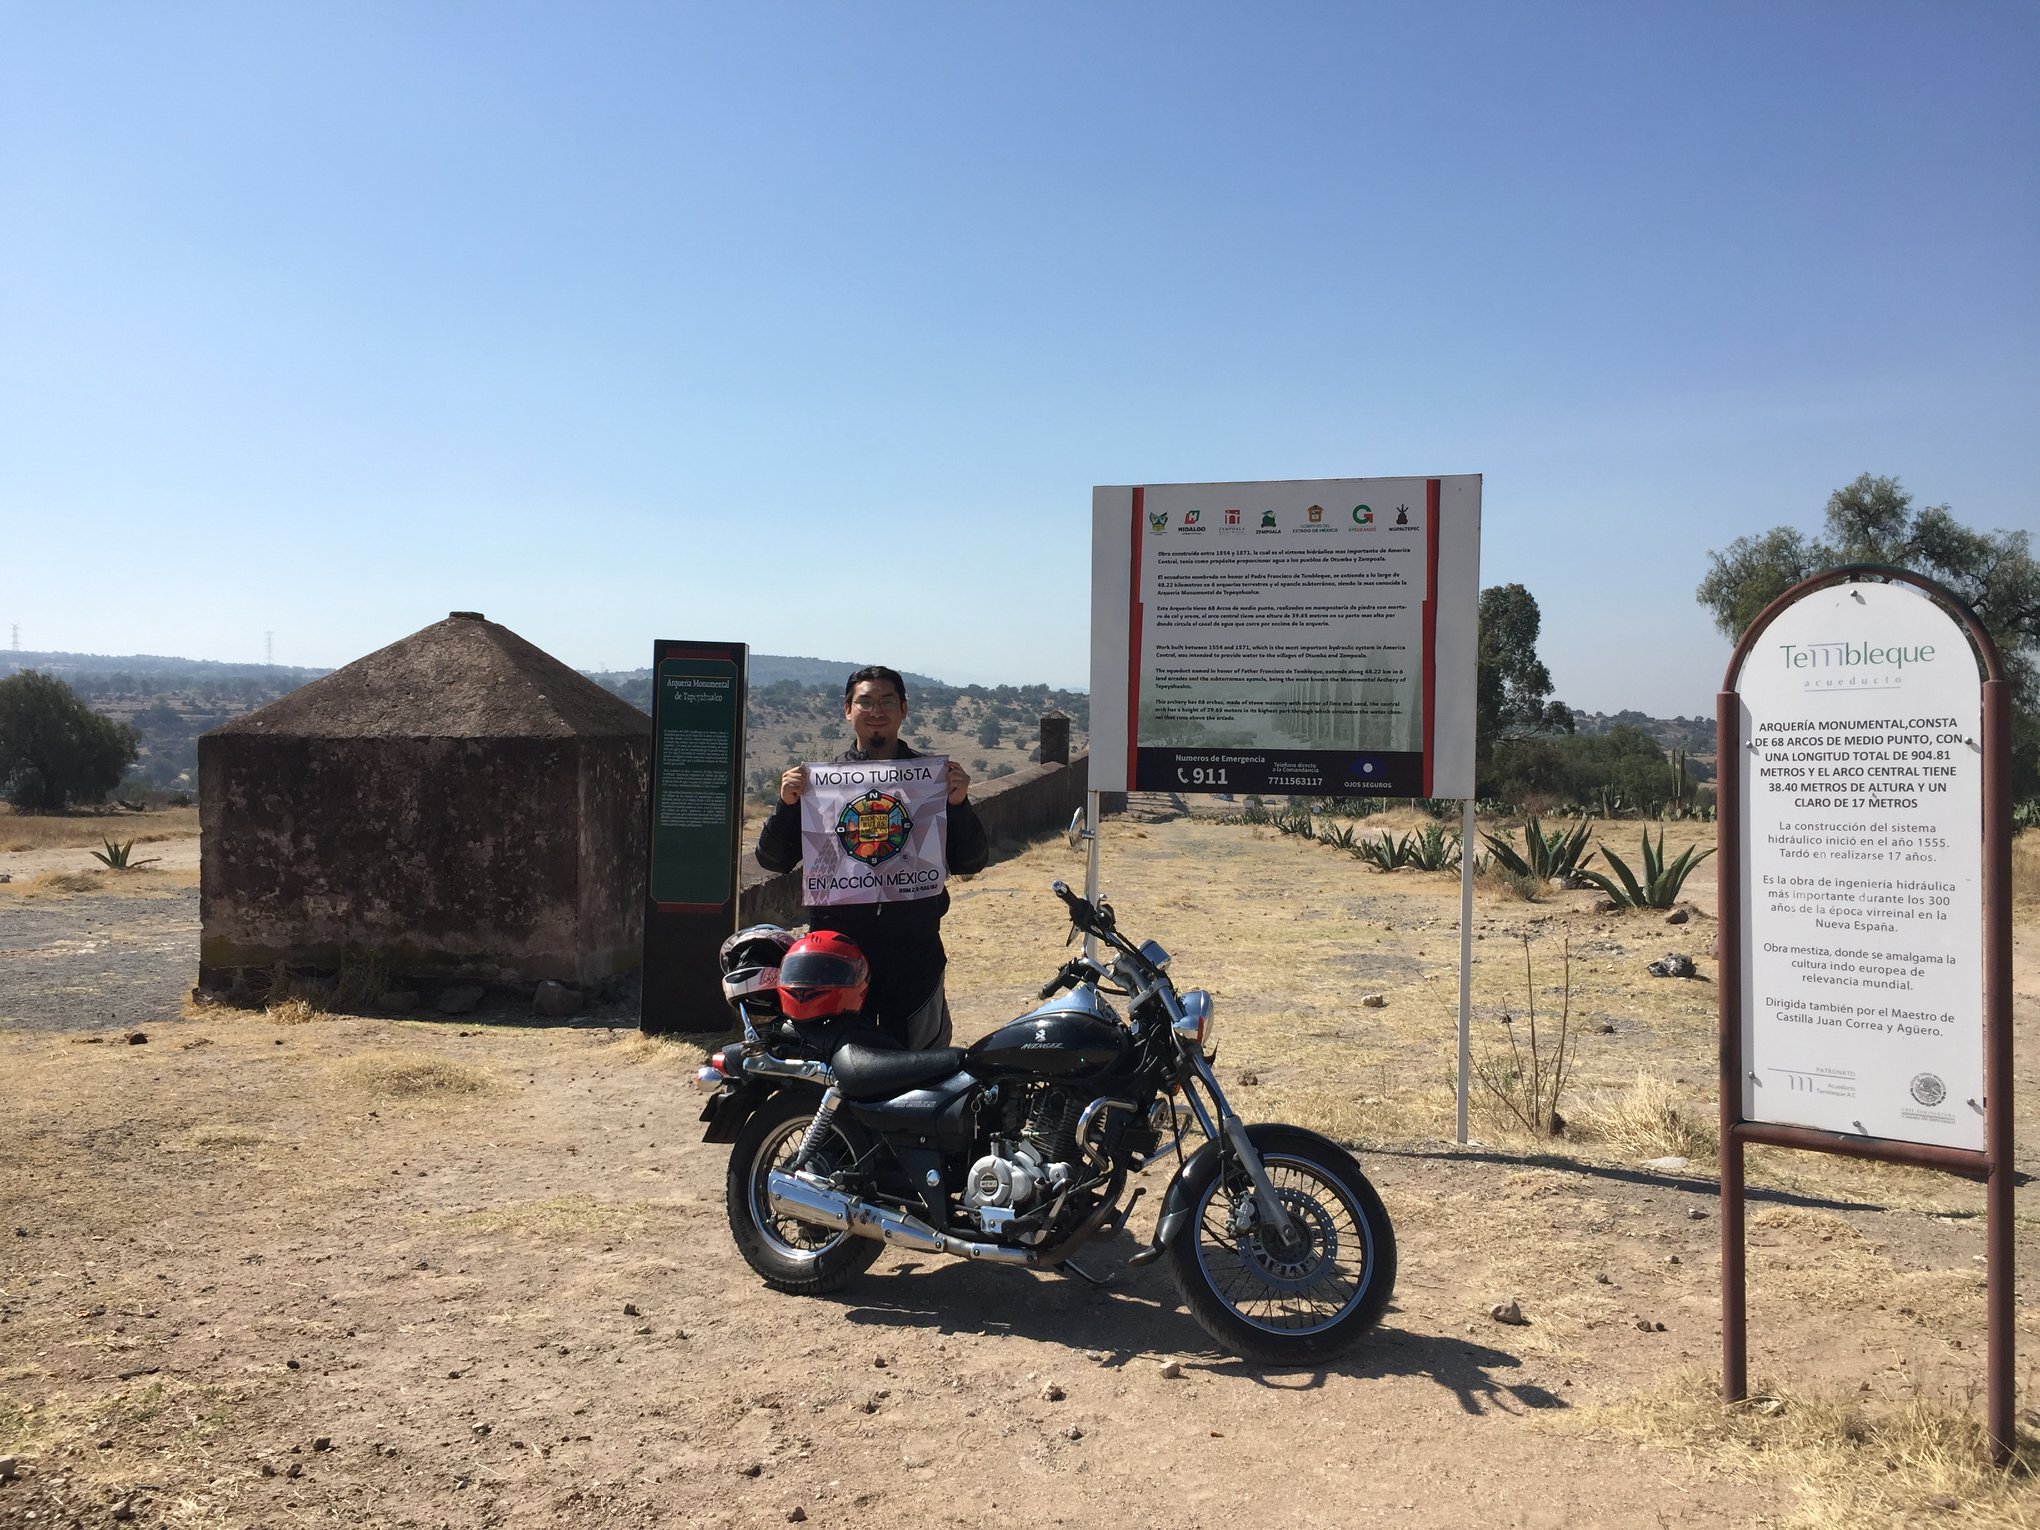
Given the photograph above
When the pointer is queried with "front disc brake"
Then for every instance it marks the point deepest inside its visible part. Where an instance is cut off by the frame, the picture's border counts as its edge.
(1314, 1245)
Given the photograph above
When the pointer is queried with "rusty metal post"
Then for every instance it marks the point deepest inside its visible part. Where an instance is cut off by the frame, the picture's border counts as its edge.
(2001, 1334)
(1728, 755)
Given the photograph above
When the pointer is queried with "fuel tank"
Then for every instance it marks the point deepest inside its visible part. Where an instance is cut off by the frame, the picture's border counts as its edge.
(1074, 1036)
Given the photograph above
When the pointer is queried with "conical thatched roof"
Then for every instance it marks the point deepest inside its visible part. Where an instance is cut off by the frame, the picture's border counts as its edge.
(461, 678)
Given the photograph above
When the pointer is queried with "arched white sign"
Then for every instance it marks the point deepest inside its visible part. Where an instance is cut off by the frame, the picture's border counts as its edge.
(1862, 865)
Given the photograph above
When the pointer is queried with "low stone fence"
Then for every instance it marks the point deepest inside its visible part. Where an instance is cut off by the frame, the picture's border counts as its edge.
(1025, 805)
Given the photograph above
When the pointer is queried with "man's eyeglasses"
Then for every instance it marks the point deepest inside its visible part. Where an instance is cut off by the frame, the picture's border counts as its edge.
(875, 704)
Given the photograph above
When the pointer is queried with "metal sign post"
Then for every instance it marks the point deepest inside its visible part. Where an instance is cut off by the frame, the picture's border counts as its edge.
(1315, 637)
(1865, 891)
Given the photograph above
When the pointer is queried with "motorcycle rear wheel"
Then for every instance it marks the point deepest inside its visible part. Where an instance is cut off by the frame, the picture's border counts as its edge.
(1294, 1306)
(790, 1255)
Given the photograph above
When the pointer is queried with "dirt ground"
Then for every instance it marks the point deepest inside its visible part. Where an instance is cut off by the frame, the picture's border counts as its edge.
(475, 1271)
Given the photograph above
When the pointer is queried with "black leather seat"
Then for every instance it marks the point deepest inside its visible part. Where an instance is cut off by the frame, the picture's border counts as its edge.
(878, 1073)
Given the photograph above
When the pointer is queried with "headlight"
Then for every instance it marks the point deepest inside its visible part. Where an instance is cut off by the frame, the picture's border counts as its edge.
(1196, 1024)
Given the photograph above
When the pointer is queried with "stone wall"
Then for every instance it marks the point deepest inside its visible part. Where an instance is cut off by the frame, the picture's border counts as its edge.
(504, 861)
(1025, 805)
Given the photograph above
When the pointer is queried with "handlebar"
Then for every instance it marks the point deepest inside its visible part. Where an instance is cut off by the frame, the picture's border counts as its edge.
(1092, 919)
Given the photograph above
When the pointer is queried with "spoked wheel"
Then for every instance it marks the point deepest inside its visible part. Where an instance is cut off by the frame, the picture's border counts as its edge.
(791, 1255)
(1286, 1301)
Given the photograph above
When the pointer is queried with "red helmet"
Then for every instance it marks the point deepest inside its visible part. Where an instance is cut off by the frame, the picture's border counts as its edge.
(822, 974)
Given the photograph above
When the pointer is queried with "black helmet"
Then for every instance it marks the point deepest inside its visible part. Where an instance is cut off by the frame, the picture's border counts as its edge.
(750, 967)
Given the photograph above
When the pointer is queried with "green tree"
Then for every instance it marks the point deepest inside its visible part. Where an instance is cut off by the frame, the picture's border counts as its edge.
(1512, 688)
(1873, 521)
(988, 733)
(55, 750)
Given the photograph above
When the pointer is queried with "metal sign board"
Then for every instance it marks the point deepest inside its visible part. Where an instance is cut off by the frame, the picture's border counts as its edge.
(1316, 636)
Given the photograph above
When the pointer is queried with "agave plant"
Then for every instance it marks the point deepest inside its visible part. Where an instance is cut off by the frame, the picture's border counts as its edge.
(1388, 853)
(1432, 849)
(1340, 838)
(1659, 886)
(120, 857)
(1561, 853)
(1298, 822)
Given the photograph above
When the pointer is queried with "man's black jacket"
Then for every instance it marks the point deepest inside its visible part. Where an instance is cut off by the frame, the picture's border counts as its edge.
(902, 941)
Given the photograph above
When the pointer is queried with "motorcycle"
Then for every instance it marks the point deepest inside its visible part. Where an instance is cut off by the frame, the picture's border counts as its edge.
(1017, 1150)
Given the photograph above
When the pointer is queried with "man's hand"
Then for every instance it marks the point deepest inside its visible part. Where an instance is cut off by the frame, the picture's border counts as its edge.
(794, 782)
(959, 784)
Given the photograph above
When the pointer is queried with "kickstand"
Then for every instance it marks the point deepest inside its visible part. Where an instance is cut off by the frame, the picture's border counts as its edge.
(1097, 1282)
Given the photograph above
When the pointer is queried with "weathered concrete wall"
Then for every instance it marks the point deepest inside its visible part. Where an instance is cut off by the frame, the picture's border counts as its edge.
(614, 783)
(484, 858)
(1029, 803)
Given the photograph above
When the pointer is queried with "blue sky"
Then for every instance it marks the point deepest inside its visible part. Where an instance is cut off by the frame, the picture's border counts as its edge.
(813, 326)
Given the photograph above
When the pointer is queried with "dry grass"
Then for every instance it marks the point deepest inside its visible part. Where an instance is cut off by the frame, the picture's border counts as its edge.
(293, 1011)
(225, 1136)
(415, 1075)
(1649, 1122)
(560, 1216)
(2026, 870)
(1495, 883)
(86, 830)
(1855, 1466)
(62, 884)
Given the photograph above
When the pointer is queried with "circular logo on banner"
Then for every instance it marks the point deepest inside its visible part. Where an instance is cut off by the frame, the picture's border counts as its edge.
(1928, 1089)
(874, 827)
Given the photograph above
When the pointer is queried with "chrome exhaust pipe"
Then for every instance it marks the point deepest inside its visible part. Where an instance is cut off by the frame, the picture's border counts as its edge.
(806, 1199)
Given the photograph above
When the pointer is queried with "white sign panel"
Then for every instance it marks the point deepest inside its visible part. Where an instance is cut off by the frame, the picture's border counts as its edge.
(1862, 828)
(1315, 636)
(872, 831)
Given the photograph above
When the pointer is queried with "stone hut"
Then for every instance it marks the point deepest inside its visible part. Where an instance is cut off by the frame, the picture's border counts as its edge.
(458, 805)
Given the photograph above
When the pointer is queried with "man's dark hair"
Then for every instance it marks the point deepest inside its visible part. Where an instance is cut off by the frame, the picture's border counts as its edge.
(875, 672)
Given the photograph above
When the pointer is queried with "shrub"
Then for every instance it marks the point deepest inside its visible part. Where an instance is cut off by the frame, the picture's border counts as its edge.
(55, 750)
(1528, 1078)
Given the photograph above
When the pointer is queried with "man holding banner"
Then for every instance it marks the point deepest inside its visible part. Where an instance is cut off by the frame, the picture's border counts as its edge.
(877, 832)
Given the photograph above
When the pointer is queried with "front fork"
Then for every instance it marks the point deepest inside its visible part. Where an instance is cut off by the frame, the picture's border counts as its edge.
(1271, 1213)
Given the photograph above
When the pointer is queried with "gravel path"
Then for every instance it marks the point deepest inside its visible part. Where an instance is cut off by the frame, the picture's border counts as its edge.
(100, 962)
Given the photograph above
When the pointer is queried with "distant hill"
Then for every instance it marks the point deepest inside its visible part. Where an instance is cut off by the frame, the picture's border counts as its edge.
(795, 711)
(70, 667)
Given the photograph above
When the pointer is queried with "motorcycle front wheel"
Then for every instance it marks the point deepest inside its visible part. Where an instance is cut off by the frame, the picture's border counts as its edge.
(790, 1255)
(1294, 1304)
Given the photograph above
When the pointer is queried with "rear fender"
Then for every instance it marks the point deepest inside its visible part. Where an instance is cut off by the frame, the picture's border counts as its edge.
(729, 1108)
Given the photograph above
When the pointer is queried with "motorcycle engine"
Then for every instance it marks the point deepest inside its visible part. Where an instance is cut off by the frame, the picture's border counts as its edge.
(1016, 1173)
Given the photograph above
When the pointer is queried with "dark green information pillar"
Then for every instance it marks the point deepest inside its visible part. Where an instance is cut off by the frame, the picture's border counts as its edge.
(696, 824)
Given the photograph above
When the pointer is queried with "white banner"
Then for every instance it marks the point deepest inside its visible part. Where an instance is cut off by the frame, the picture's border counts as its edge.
(872, 831)
(1862, 840)
(1315, 636)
